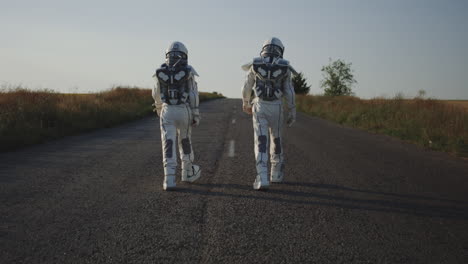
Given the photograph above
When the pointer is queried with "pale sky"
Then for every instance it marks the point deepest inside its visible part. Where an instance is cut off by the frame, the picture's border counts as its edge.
(88, 46)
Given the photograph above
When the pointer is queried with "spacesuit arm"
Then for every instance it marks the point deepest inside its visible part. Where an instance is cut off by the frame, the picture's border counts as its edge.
(156, 93)
(290, 98)
(247, 88)
(194, 100)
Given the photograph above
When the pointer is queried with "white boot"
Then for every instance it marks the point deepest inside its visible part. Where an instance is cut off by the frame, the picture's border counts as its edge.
(191, 173)
(169, 182)
(277, 175)
(261, 182)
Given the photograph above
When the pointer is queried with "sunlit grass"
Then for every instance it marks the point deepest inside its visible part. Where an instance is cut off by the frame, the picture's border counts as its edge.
(28, 117)
(434, 124)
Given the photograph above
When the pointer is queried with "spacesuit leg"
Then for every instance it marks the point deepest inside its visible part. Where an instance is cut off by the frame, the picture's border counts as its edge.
(260, 124)
(276, 144)
(168, 137)
(190, 172)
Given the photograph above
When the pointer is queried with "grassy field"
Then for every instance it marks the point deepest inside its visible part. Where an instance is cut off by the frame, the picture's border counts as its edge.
(460, 103)
(434, 124)
(28, 117)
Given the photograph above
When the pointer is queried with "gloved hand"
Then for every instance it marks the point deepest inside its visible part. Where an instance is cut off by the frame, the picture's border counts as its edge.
(291, 117)
(155, 109)
(196, 120)
(247, 108)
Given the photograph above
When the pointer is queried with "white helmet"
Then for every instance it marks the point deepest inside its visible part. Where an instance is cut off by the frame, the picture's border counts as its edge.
(272, 47)
(177, 53)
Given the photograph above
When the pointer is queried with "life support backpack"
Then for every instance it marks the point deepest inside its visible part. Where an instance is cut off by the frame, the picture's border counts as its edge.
(173, 82)
(269, 78)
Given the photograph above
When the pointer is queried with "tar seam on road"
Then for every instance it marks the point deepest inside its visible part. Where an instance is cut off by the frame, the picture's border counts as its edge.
(231, 151)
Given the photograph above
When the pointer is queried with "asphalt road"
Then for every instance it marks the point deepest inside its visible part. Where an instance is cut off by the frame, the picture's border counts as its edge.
(348, 197)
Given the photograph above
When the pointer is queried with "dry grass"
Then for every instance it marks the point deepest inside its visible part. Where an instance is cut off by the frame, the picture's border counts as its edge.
(461, 103)
(430, 123)
(210, 96)
(28, 117)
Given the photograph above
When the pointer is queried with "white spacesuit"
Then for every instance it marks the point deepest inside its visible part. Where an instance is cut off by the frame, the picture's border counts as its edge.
(176, 101)
(270, 77)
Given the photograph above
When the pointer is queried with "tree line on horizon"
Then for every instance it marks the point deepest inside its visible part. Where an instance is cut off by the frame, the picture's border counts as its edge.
(338, 79)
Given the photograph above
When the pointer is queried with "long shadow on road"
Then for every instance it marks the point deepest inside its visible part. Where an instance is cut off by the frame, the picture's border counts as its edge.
(405, 204)
(337, 187)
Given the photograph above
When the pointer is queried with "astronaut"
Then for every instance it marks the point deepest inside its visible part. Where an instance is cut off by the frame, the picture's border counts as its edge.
(270, 78)
(176, 101)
